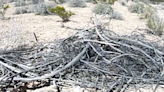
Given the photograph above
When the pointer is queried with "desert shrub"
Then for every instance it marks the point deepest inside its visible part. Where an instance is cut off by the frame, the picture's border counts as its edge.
(62, 13)
(23, 10)
(3, 11)
(59, 1)
(157, 24)
(107, 1)
(37, 1)
(89, 0)
(123, 2)
(162, 4)
(148, 12)
(10, 1)
(103, 9)
(94, 1)
(162, 7)
(77, 3)
(20, 3)
(43, 9)
(62, 1)
(144, 1)
(136, 8)
(116, 15)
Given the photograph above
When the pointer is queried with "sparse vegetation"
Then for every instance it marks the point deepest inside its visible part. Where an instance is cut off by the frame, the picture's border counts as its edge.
(162, 7)
(62, 13)
(144, 1)
(116, 15)
(89, 0)
(136, 8)
(20, 3)
(103, 9)
(22, 10)
(148, 12)
(156, 24)
(123, 2)
(43, 9)
(107, 1)
(10, 1)
(3, 11)
(37, 1)
(62, 1)
(77, 3)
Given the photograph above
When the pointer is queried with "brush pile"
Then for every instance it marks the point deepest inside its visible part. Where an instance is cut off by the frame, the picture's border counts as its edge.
(93, 58)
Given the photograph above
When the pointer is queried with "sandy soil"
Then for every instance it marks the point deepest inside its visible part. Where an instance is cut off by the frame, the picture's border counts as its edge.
(20, 28)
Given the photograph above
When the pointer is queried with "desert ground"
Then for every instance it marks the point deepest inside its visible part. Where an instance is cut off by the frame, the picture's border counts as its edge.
(19, 29)
(16, 30)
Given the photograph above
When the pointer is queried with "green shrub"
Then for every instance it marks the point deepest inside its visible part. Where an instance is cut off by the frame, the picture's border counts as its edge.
(116, 15)
(5, 7)
(157, 24)
(62, 13)
(2, 13)
(77, 3)
(43, 9)
(103, 9)
(136, 8)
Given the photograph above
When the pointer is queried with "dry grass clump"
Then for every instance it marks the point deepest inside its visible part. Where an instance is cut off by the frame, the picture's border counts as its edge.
(43, 9)
(89, 0)
(10, 1)
(62, 1)
(106, 1)
(148, 12)
(153, 21)
(123, 2)
(103, 9)
(77, 3)
(157, 24)
(37, 1)
(107, 9)
(144, 1)
(162, 7)
(136, 8)
(20, 3)
(116, 15)
(39, 9)
(23, 10)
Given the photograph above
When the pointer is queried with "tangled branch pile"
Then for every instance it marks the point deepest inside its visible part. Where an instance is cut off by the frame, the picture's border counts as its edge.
(94, 57)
